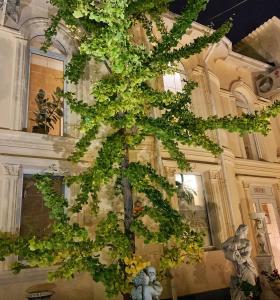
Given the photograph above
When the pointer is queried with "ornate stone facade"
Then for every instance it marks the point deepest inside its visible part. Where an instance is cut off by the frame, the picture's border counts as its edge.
(232, 182)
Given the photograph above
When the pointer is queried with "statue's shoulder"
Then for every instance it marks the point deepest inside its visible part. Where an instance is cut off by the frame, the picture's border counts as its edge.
(229, 242)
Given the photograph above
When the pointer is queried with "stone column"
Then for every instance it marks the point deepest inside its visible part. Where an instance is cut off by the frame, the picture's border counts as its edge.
(13, 85)
(219, 215)
(10, 203)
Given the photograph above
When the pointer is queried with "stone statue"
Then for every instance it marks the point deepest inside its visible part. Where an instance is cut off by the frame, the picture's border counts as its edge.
(146, 287)
(260, 230)
(238, 249)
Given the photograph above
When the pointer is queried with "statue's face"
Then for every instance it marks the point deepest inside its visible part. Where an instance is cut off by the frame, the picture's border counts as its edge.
(242, 231)
(152, 274)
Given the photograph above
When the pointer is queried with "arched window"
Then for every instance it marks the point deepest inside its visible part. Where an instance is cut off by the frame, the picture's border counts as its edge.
(46, 72)
(176, 81)
(249, 141)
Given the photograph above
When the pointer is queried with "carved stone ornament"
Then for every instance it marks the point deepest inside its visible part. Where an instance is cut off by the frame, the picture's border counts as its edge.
(237, 249)
(260, 232)
(10, 8)
(146, 287)
(11, 170)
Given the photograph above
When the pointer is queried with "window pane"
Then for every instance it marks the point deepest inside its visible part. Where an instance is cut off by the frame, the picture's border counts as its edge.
(47, 74)
(173, 82)
(194, 210)
(33, 210)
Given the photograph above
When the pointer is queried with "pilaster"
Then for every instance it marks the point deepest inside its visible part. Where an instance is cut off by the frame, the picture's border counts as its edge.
(219, 214)
(10, 206)
(13, 84)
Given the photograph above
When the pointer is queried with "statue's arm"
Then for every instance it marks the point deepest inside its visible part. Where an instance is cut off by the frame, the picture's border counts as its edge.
(157, 288)
(247, 250)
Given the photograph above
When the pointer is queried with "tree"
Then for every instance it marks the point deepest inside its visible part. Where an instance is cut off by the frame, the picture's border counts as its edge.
(123, 103)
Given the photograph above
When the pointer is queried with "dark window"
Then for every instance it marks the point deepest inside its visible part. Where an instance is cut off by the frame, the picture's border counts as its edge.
(35, 219)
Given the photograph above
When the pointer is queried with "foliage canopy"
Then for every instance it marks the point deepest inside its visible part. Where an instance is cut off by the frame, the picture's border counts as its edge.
(124, 100)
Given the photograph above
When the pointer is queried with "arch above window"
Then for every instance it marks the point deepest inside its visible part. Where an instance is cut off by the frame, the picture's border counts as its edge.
(56, 47)
(36, 27)
(241, 102)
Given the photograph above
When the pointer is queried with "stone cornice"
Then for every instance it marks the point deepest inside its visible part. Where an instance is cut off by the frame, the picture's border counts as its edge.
(193, 154)
(27, 144)
(247, 62)
(257, 168)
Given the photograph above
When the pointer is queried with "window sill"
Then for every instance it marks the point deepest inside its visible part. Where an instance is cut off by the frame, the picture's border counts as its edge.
(26, 275)
(210, 248)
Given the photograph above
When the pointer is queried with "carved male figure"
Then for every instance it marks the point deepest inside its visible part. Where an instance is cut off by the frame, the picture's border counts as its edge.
(238, 249)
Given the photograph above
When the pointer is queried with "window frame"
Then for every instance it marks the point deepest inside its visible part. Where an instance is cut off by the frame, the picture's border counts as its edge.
(52, 55)
(31, 172)
(211, 245)
(242, 104)
(180, 69)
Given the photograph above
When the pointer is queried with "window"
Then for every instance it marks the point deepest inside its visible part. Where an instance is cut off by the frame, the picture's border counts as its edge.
(194, 208)
(248, 139)
(46, 72)
(34, 214)
(176, 81)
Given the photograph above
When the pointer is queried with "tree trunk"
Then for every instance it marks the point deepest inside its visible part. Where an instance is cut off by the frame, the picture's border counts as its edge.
(127, 297)
(128, 204)
(128, 210)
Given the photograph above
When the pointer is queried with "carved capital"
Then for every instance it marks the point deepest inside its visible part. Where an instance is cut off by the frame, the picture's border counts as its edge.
(11, 170)
(214, 174)
(278, 187)
(170, 172)
(245, 185)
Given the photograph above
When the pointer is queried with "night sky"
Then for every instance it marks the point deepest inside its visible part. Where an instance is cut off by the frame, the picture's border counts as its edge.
(247, 14)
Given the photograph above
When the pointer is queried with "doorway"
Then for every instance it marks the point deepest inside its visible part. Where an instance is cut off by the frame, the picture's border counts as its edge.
(272, 221)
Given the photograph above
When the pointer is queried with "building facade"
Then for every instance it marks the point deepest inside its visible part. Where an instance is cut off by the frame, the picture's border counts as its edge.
(244, 179)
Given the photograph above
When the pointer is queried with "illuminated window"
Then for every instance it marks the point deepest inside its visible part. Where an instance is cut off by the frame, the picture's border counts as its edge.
(176, 81)
(45, 73)
(192, 203)
(248, 139)
(173, 82)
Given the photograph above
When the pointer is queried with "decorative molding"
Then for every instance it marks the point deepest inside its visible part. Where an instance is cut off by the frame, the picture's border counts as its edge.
(261, 190)
(10, 8)
(170, 171)
(257, 170)
(17, 143)
(214, 174)
(242, 88)
(245, 185)
(11, 170)
(36, 27)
